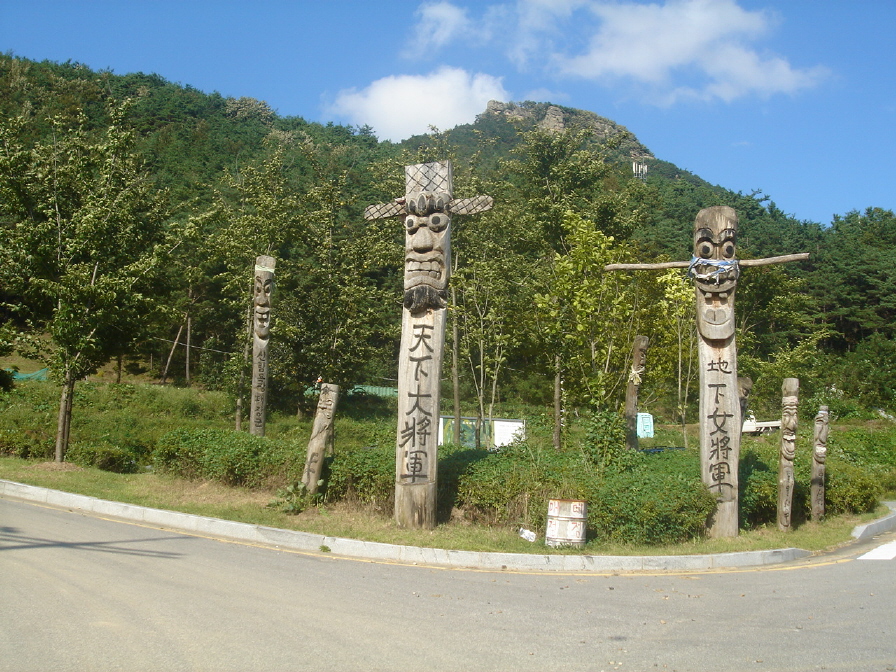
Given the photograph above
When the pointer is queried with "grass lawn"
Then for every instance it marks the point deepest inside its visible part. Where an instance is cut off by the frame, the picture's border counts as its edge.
(346, 520)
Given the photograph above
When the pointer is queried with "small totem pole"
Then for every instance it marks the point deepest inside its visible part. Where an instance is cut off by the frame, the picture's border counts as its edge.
(639, 360)
(261, 336)
(789, 398)
(321, 435)
(715, 270)
(427, 208)
(744, 387)
(819, 453)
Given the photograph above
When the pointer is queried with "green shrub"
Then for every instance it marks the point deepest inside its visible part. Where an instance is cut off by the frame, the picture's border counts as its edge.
(644, 499)
(365, 475)
(28, 444)
(232, 458)
(454, 462)
(604, 443)
(849, 489)
(888, 482)
(513, 485)
(649, 507)
(864, 447)
(758, 484)
(759, 501)
(179, 452)
(103, 456)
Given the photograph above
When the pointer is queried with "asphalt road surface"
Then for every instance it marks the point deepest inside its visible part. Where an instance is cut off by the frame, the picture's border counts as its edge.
(83, 593)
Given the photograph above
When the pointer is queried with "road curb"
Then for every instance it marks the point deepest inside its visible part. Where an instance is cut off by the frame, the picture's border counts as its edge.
(875, 527)
(305, 541)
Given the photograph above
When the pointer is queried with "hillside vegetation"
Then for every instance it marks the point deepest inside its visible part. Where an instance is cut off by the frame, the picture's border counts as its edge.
(132, 209)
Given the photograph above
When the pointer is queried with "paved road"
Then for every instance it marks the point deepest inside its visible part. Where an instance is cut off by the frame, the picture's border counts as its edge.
(84, 593)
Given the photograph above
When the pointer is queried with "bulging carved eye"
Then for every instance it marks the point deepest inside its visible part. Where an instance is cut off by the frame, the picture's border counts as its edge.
(728, 250)
(411, 223)
(704, 250)
(438, 222)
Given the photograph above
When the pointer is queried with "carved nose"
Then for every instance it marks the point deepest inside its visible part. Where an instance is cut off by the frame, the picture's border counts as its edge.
(423, 240)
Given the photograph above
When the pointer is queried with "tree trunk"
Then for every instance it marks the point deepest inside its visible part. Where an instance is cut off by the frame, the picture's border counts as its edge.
(187, 367)
(171, 353)
(63, 421)
(455, 374)
(558, 403)
(118, 370)
(639, 350)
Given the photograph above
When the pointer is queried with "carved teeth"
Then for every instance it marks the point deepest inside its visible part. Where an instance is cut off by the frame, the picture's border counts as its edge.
(430, 268)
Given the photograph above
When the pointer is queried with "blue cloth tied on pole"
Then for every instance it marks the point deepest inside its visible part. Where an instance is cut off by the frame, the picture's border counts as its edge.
(717, 268)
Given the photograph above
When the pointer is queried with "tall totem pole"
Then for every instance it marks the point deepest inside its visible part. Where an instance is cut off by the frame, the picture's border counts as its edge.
(261, 336)
(427, 207)
(715, 270)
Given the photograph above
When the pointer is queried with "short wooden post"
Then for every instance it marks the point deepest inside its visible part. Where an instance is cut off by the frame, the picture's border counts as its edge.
(321, 436)
(639, 360)
(819, 454)
(789, 400)
(261, 336)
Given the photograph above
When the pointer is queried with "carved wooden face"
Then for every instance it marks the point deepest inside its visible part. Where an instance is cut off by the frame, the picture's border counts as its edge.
(821, 430)
(715, 271)
(427, 242)
(264, 284)
(788, 415)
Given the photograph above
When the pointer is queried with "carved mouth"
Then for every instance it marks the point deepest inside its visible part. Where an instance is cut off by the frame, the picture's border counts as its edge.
(710, 281)
(717, 309)
(433, 269)
(427, 270)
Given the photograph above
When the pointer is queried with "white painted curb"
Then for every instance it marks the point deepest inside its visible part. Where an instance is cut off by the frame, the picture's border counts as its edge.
(304, 541)
(874, 528)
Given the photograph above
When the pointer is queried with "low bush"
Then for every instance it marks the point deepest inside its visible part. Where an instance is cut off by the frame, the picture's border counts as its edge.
(758, 495)
(454, 462)
(366, 475)
(849, 489)
(650, 499)
(513, 485)
(232, 458)
(103, 456)
(649, 507)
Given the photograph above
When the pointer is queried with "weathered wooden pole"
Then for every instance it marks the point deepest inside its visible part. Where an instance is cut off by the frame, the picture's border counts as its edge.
(321, 436)
(639, 360)
(819, 453)
(789, 399)
(261, 336)
(715, 270)
(427, 208)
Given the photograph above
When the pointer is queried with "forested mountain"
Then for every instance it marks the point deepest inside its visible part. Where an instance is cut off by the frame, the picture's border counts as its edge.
(206, 183)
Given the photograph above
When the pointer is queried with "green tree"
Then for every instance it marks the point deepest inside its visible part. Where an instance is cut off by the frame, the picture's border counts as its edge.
(83, 229)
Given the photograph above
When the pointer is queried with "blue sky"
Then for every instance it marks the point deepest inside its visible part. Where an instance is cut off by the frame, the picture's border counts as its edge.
(796, 99)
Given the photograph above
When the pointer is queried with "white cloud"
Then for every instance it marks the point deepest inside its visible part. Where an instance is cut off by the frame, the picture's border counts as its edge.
(534, 24)
(439, 23)
(685, 49)
(400, 106)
